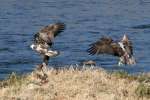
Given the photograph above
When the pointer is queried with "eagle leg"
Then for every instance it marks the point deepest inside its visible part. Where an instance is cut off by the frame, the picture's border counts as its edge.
(121, 61)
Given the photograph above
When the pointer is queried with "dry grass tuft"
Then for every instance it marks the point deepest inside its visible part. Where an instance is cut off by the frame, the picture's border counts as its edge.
(143, 90)
(76, 84)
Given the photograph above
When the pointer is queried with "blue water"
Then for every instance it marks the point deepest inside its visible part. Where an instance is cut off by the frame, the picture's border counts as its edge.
(86, 21)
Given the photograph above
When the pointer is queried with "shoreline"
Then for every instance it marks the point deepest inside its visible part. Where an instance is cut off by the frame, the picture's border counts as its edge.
(75, 84)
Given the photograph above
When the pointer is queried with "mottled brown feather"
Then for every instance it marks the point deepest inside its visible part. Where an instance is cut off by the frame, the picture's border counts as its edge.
(48, 33)
(105, 46)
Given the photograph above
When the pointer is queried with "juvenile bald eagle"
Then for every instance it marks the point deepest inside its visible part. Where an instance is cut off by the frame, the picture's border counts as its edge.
(43, 40)
(106, 45)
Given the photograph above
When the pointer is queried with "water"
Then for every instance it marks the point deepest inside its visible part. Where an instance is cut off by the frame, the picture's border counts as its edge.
(86, 20)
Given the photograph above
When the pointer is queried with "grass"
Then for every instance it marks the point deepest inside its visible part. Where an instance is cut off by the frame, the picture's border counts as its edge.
(76, 84)
(123, 74)
(143, 90)
(14, 80)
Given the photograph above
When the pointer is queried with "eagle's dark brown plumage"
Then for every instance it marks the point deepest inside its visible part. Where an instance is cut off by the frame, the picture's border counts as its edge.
(44, 39)
(47, 34)
(107, 45)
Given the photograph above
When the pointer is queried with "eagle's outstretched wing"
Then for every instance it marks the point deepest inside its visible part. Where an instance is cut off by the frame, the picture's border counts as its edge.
(105, 46)
(47, 34)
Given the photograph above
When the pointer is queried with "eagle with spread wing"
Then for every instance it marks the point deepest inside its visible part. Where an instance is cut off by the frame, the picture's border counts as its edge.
(43, 40)
(106, 45)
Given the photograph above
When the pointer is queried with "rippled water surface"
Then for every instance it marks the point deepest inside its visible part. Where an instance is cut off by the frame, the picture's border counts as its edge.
(86, 20)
